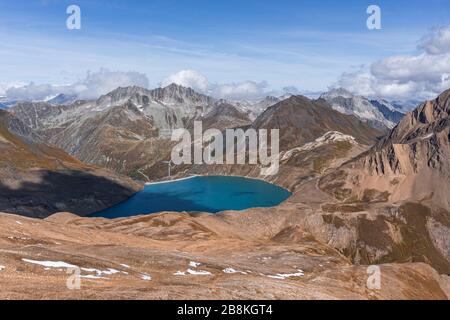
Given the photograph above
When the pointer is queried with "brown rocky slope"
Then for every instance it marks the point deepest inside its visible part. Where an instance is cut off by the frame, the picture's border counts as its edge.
(395, 198)
(182, 256)
(37, 179)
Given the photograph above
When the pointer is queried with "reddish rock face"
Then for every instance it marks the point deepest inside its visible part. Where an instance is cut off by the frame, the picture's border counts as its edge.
(401, 189)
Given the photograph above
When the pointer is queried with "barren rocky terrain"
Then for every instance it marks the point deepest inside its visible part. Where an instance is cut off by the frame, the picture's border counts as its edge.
(352, 206)
(201, 256)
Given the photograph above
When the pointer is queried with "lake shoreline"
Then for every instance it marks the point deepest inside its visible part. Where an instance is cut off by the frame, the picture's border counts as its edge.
(228, 193)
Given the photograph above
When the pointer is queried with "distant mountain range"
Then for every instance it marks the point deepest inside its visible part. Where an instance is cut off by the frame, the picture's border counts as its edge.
(342, 100)
(5, 103)
(62, 99)
(128, 129)
(371, 188)
(379, 113)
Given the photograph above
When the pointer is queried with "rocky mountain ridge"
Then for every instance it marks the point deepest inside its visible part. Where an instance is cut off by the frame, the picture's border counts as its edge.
(379, 113)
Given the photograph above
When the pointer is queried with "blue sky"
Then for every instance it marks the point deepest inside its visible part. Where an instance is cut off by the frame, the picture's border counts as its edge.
(306, 44)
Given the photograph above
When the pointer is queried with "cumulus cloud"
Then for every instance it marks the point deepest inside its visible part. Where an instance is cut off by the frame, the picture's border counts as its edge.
(235, 91)
(94, 85)
(4, 86)
(243, 90)
(291, 90)
(423, 67)
(437, 42)
(102, 82)
(359, 81)
(32, 91)
(420, 76)
(188, 78)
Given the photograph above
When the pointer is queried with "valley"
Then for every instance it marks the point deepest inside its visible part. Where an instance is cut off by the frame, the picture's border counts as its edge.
(363, 194)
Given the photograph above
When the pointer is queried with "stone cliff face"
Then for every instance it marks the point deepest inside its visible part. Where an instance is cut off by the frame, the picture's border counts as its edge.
(395, 197)
(410, 163)
(378, 114)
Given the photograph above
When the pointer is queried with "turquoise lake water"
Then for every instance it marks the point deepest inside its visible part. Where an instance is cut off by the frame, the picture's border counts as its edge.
(205, 194)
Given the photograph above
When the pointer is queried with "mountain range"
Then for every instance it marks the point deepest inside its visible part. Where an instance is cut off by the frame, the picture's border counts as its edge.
(378, 113)
(366, 190)
(123, 129)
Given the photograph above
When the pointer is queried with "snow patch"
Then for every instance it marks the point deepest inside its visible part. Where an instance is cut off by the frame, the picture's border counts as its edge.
(194, 264)
(231, 271)
(145, 277)
(284, 276)
(198, 273)
(90, 276)
(51, 264)
(109, 271)
(428, 136)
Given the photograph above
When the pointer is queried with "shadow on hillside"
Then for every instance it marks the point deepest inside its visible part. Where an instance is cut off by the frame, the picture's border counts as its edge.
(147, 203)
(81, 193)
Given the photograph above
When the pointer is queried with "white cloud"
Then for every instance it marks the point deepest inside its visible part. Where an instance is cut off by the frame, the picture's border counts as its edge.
(243, 90)
(235, 91)
(102, 82)
(359, 82)
(437, 42)
(98, 83)
(420, 76)
(422, 67)
(291, 90)
(188, 78)
(31, 91)
(4, 86)
(94, 85)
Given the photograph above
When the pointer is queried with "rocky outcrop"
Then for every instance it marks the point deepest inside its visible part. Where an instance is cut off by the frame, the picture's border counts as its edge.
(389, 111)
(301, 120)
(409, 164)
(400, 187)
(380, 115)
(224, 116)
